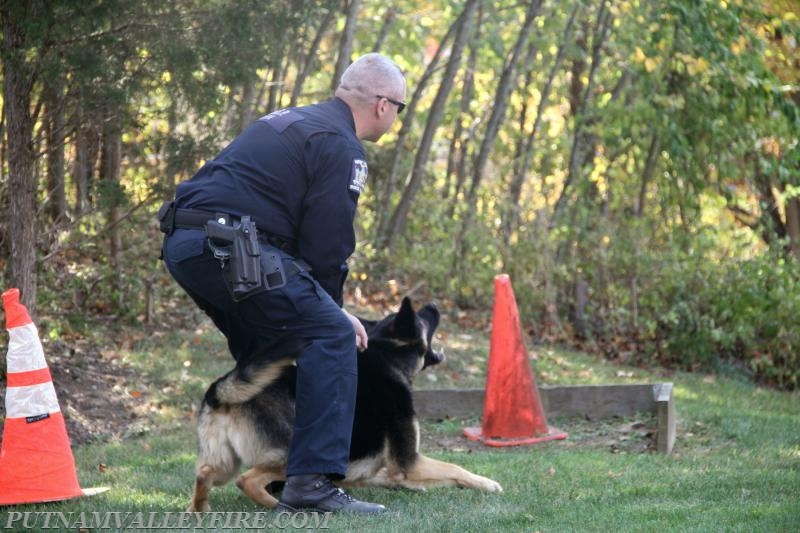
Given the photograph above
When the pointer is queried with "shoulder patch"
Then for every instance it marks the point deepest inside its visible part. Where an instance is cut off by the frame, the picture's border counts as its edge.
(281, 119)
(359, 176)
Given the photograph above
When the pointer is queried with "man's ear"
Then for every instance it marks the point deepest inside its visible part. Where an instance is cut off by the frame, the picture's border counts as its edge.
(381, 107)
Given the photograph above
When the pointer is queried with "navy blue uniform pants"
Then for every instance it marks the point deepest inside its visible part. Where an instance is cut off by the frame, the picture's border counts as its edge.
(326, 370)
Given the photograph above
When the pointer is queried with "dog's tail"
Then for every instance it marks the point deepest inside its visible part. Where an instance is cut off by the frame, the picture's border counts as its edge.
(254, 372)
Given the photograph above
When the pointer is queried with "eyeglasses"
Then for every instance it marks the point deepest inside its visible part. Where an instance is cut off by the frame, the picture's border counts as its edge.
(400, 105)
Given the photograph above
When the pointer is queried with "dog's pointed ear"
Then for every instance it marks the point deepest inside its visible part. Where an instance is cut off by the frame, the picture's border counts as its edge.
(405, 325)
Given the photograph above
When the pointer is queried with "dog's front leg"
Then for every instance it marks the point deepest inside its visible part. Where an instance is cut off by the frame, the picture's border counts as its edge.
(367, 472)
(382, 478)
(427, 472)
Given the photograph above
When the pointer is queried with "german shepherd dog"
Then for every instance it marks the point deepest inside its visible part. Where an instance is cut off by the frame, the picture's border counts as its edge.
(247, 416)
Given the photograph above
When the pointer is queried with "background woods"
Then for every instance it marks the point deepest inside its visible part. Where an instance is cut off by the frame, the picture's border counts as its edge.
(634, 166)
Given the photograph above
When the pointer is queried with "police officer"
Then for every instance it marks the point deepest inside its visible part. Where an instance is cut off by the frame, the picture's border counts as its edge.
(297, 174)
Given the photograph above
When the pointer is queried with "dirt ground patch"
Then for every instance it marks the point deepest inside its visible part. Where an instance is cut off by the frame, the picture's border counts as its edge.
(93, 391)
(614, 435)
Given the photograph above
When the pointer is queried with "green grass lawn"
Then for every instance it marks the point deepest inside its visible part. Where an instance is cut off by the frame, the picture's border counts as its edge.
(735, 466)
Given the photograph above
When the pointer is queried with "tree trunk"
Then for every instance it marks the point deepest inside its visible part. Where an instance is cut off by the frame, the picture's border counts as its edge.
(310, 58)
(18, 80)
(388, 20)
(773, 228)
(459, 146)
(274, 90)
(508, 80)
(522, 121)
(87, 146)
(647, 174)
(579, 101)
(171, 146)
(54, 125)
(398, 221)
(111, 166)
(346, 43)
(515, 190)
(793, 225)
(384, 205)
(247, 104)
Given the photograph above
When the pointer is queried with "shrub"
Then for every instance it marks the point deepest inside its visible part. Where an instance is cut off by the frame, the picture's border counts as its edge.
(744, 312)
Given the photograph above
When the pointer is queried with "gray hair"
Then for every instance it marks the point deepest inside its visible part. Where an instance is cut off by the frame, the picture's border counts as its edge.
(370, 75)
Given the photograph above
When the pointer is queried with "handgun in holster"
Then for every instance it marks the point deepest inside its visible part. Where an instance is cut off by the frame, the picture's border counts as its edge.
(241, 258)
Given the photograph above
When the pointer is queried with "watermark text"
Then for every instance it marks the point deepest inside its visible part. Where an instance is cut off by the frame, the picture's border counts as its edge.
(122, 521)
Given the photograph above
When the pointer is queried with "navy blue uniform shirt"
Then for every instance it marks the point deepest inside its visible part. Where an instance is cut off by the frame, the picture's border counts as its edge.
(297, 173)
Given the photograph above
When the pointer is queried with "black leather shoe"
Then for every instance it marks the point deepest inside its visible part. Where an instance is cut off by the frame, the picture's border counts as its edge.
(316, 492)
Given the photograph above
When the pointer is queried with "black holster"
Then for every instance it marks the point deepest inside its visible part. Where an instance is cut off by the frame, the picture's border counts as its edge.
(245, 268)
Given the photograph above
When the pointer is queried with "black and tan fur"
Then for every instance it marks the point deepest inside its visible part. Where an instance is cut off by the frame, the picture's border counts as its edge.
(246, 417)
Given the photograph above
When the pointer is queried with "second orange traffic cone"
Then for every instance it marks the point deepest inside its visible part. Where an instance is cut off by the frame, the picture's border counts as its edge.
(36, 462)
(512, 412)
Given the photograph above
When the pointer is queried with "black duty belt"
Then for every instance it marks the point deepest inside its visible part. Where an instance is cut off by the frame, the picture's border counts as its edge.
(171, 217)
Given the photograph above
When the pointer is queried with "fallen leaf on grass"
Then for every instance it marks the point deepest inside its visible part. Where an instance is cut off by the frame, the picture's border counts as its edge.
(109, 355)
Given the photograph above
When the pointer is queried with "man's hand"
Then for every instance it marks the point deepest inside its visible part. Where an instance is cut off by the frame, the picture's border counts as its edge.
(361, 333)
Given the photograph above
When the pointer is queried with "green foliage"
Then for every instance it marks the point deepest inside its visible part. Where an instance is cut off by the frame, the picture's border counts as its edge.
(88, 287)
(706, 314)
(425, 257)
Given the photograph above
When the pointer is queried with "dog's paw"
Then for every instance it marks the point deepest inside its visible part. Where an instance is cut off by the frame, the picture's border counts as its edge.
(496, 487)
(489, 485)
(192, 508)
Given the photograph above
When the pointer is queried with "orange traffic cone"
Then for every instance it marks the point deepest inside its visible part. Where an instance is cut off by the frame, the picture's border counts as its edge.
(36, 463)
(512, 412)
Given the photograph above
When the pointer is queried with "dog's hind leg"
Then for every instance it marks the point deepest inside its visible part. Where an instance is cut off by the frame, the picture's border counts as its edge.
(203, 482)
(427, 472)
(209, 474)
(255, 481)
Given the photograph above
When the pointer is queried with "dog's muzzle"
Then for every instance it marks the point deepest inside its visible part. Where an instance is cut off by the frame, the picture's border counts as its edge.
(433, 358)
